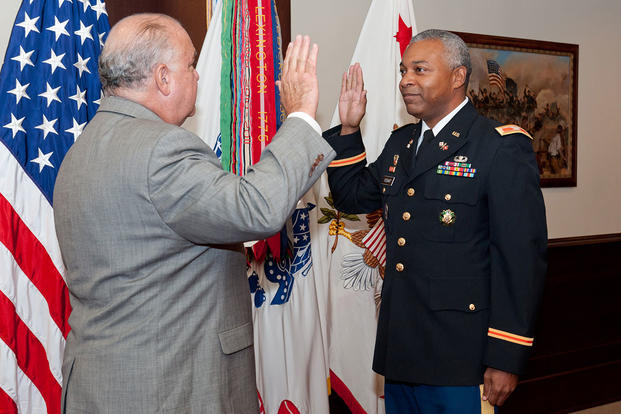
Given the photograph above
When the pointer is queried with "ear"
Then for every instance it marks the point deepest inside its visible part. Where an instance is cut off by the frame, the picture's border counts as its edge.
(458, 77)
(162, 79)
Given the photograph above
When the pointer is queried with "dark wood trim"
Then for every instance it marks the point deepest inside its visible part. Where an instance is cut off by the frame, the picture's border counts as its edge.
(584, 240)
(191, 13)
(283, 7)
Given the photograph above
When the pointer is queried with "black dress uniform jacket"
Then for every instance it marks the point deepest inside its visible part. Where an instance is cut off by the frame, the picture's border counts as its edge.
(466, 255)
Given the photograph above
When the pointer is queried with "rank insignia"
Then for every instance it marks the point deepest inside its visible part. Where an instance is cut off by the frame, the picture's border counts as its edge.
(455, 134)
(457, 169)
(460, 158)
(395, 160)
(512, 129)
(447, 217)
(443, 145)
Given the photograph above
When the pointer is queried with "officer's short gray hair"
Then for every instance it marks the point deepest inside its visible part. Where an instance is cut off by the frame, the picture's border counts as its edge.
(127, 60)
(457, 52)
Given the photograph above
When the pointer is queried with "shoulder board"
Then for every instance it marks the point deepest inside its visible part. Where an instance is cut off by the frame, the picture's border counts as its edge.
(396, 128)
(512, 129)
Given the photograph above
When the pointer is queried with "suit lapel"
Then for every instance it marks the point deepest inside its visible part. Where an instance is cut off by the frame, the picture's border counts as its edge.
(453, 136)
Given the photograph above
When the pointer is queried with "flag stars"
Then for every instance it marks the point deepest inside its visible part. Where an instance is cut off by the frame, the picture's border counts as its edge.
(20, 91)
(23, 58)
(76, 130)
(79, 97)
(81, 65)
(86, 4)
(29, 24)
(51, 94)
(47, 127)
(84, 32)
(101, 36)
(60, 2)
(43, 160)
(100, 8)
(59, 28)
(55, 61)
(16, 125)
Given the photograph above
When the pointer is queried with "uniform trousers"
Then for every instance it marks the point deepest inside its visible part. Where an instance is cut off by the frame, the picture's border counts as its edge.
(404, 398)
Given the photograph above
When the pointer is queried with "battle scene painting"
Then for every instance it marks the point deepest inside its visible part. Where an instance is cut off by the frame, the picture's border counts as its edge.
(531, 84)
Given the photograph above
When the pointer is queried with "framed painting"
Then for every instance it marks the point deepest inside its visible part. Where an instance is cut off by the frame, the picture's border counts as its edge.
(532, 84)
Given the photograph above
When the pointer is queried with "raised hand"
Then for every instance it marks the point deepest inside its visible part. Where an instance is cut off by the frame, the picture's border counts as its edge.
(299, 89)
(353, 100)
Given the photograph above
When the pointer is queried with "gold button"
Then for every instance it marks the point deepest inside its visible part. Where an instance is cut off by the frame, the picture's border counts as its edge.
(406, 216)
(411, 192)
(399, 267)
(401, 241)
(448, 197)
(472, 307)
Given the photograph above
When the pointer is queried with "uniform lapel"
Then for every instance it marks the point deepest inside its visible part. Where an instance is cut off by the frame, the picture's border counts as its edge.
(408, 154)
(453, 136)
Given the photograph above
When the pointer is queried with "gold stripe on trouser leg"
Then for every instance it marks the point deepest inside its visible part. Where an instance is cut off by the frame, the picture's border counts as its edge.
(486, 407)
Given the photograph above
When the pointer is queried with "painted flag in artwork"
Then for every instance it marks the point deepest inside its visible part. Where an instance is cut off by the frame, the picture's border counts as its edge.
(495, 74)
(351, 248)
(49, 90)
(238, 113)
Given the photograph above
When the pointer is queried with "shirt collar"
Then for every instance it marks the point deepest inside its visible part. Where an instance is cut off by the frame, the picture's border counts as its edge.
(442, 123)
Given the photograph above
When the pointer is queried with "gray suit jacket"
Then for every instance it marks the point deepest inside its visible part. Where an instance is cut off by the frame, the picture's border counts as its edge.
(147, 222)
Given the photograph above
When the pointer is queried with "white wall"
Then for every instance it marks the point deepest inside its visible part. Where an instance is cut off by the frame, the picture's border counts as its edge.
(8, 11)
(590, 208)
(593, 206)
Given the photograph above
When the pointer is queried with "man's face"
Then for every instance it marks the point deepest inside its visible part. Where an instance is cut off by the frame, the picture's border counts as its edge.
(183, 78)
(427, 84)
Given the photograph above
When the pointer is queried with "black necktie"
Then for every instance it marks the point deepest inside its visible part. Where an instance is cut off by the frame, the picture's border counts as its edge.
(427, 138)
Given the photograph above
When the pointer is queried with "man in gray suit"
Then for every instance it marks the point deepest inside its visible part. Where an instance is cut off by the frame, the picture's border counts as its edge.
(149, 227)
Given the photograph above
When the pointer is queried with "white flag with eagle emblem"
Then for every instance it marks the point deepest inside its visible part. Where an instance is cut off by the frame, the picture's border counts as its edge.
(356, 244)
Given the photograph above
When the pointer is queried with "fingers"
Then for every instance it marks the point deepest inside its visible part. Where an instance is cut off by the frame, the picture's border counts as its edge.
(295, 53)
(311, 62)
(303, 57)
(487, 386)
(344, 83)
(285, 64)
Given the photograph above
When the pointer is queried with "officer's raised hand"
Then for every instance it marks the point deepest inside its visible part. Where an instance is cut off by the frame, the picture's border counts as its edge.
(353, 100)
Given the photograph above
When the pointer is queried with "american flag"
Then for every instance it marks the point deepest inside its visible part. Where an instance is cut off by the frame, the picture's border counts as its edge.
(495, 74)
(49, 89)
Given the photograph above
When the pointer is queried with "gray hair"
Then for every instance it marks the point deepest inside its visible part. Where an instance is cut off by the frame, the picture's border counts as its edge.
(129, 57)
(456, 51)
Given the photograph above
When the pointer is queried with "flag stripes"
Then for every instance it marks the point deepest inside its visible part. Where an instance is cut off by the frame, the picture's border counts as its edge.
(375, 241)
(35, 262)
(49, 89)
(29, 353)
(7, 404)
(28, 201)
(34, 313)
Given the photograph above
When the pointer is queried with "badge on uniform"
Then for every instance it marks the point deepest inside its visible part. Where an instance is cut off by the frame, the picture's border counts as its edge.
(388, 180)
(395, 161)
(443, 145)
(447, 217)
(409, 144)
(456, 169)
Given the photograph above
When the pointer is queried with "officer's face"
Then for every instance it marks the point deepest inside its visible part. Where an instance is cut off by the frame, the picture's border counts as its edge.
(427, 83)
